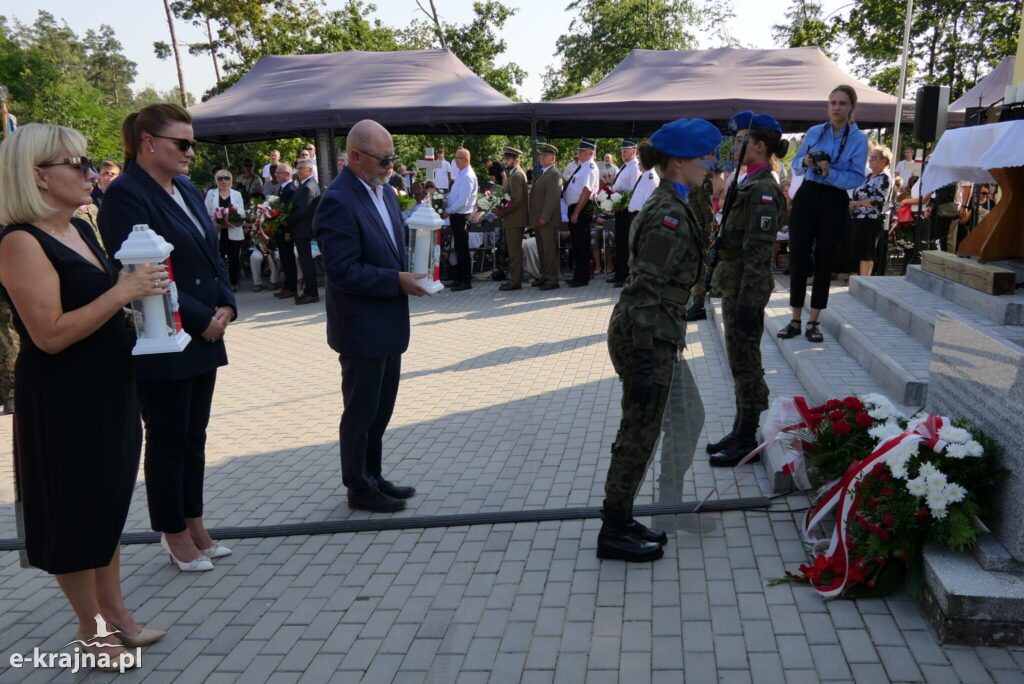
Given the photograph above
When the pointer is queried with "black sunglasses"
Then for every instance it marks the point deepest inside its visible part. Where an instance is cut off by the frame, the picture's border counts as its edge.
(82, 164)
(384, 161)
(183, 143)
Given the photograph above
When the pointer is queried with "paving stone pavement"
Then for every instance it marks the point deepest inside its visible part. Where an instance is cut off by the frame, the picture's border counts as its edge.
(508, 402)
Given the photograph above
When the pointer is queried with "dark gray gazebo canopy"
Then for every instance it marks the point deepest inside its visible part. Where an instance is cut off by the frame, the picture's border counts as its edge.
(411, 91)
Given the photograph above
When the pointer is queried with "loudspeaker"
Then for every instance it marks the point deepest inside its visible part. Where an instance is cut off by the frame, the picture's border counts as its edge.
(930, 113)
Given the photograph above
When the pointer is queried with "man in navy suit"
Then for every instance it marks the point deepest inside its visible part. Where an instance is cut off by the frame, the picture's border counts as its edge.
(286, 193)
(300, 228)
(359, 228)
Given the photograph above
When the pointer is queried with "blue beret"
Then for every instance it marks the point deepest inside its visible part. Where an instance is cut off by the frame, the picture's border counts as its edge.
(686, 138)
(748, 119)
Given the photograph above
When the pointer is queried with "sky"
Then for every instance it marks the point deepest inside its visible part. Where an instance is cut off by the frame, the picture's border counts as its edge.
(530, 34)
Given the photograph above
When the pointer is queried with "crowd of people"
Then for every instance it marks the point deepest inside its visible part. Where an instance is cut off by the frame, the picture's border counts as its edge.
(668, 222)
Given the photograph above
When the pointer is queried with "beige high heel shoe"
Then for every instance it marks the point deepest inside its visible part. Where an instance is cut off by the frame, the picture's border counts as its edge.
(117, 663)
(145, 637)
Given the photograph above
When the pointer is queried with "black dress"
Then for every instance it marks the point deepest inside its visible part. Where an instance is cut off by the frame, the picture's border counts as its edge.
(77, 435)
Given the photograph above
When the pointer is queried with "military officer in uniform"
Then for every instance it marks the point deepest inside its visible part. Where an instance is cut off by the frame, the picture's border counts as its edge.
(579, 193)
(646, 332)
(514, 217)
(700, 202)
(625, 180)
(546, 216)
(753, 215)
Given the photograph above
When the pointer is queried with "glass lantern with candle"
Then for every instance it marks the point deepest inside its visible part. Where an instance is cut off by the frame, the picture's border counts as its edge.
(424, 247)
(157, 321)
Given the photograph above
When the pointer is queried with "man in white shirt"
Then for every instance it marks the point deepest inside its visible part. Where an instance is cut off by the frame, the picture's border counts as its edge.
(460, 204)
(625, 181)
(275, 158)
(442, 175)
(579, 197)
(907, 168)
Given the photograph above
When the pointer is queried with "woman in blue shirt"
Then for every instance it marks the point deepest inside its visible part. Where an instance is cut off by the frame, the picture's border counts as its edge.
(832, 159)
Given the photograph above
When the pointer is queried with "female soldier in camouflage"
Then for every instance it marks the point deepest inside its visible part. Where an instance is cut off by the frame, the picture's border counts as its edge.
(646, 331)
(754, 213)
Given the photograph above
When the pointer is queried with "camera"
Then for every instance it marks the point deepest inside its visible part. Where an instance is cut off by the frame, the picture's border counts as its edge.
(818, 156)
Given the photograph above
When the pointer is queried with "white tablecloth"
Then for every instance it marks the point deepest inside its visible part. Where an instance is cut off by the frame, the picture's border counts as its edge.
(967, 154)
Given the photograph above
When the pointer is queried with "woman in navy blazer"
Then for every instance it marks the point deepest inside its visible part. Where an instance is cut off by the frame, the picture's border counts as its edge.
(175, 390)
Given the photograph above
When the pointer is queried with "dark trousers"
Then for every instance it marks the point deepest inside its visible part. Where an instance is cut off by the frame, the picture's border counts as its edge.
(368, 388)
(232, 251)
(623, 220)
(817, 222)
(580, 232)
(464, 267)
(175, 413)
(286, 248)
(305, 250)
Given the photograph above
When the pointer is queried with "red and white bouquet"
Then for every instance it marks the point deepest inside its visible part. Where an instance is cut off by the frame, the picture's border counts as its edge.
(228, 216)
(266, 218)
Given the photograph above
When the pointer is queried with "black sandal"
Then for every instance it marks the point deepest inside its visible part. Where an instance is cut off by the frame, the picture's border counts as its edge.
(791, 330)
(812, 332)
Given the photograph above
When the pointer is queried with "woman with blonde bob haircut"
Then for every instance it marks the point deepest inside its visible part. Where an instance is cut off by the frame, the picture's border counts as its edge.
(77, 423)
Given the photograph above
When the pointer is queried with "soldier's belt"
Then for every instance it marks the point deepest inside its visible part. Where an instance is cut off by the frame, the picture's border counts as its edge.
(676, 295)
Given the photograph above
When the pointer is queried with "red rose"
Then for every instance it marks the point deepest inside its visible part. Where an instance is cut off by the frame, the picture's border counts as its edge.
(887, 491)
(873, 502)
(837, 415)
(887, 519)
(841, 427)
(922, 513)
(832, 404)
(853, 403)
(864, 420)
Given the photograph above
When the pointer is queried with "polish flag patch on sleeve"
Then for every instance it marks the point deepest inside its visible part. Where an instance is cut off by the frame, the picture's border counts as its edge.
(670, 222)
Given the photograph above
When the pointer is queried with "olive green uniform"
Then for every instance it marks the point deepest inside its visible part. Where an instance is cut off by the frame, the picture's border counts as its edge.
(744, 277)
(700, 202)
(665, 260)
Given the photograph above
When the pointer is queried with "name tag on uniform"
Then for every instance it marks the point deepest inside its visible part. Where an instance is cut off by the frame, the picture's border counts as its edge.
(670, 222)
(766, 223)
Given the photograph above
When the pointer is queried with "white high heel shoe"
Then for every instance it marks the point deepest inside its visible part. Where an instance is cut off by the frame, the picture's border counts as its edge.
(218, 550)
(201, 564)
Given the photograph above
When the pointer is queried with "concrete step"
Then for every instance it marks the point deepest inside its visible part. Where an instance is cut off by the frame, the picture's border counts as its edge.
(897, 361)
(913, 308)
(1000, 309)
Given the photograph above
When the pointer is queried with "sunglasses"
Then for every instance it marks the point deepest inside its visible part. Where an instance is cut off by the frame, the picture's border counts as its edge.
(183, 143)
(384, 161)
(220, 178)
(81, 164)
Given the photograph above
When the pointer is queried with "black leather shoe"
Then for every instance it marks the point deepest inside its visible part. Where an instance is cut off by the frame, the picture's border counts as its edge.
(459, 287)
(575, 284)
(550, 286)
(647, 534)
(378, 502)
(734, 453)
(537, 283)
(720, 445)
(617, 541)
(508, 286)
(396, 491)
(696, 313)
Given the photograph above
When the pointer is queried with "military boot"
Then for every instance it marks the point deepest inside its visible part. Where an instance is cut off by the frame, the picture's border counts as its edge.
(697, 312)
(744, 441)
(617, 540)
(722, 444)
(647, 534)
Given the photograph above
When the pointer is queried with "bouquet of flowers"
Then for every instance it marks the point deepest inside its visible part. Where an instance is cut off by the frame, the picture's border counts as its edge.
(496, 200)
(613, 201)
(266, 219)
(228, 216)
(892, 483)
(437, 201)
(903, 236)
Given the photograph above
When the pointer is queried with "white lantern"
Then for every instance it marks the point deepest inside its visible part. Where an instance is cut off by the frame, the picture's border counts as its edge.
(157, 321)
(425, 247)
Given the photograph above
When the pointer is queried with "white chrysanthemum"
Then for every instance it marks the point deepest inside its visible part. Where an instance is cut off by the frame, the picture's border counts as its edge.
(616, 196)
(917, 486)
(607, 205)
(956, 451)
(936, 481)
(939, 513)
(974, 448)
(954, 434)
(936, 500)
(926, 469)
(954, 493)
(916, 419)
(879, 413)
(884, 431)
(898, 469)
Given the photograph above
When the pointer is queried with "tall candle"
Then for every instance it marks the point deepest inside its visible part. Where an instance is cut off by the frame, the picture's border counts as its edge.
(422, 250)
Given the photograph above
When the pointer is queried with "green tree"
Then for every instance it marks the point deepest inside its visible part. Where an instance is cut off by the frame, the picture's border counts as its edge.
(106, 68)
(952, 42)
(807, 27)
(603, 32)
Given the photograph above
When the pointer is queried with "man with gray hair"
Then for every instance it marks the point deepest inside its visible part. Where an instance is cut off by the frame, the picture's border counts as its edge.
(300, 226)
(359, 228)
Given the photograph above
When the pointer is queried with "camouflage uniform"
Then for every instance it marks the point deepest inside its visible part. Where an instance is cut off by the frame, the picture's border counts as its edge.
(8, 353)
(665, 260)
(700, 203)
(744, 277)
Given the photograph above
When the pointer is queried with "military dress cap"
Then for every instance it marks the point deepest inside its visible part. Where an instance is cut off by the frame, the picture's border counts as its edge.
(586, 144)
(545, 148)
(507, 151)
(748, 119)
(686, 138)
(627, 142)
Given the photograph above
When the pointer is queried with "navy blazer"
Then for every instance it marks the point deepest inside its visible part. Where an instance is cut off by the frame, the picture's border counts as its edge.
(304, 201)
(367, 313)
(199, 271)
